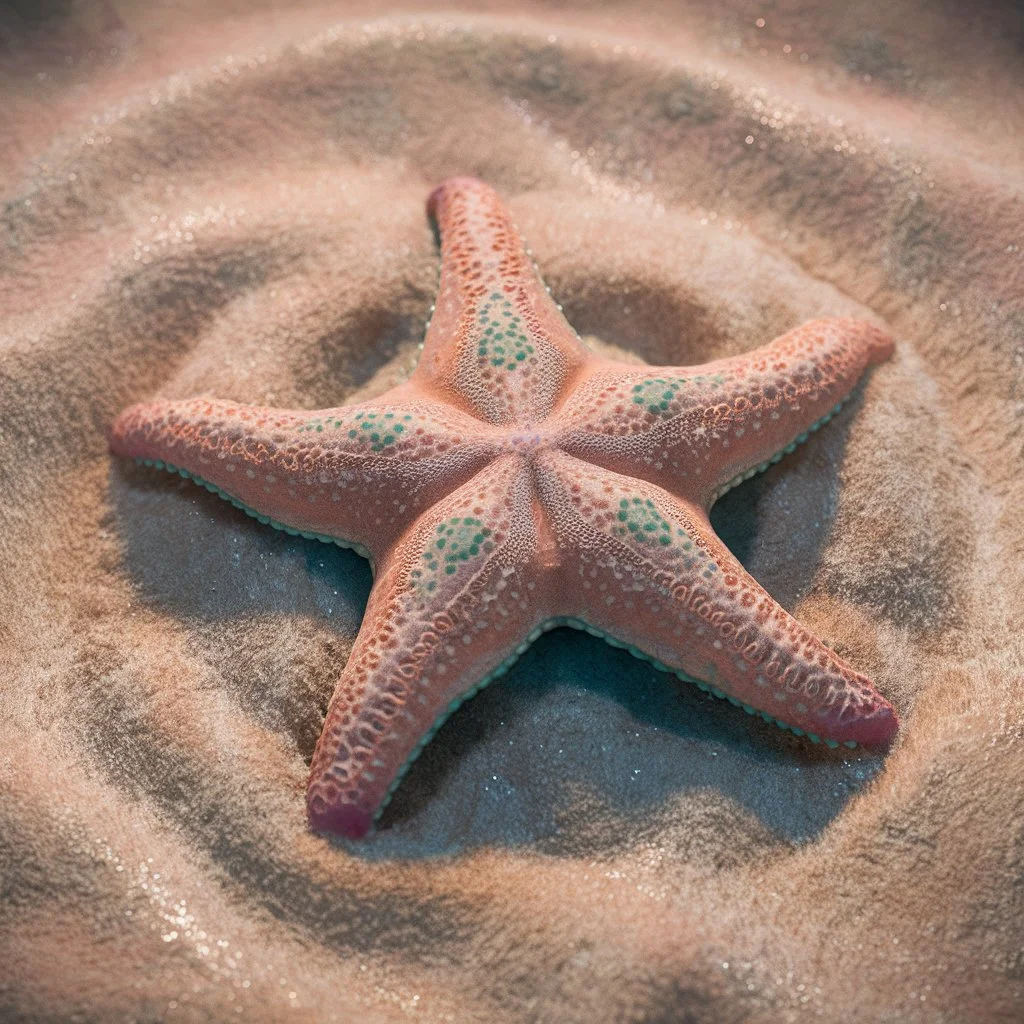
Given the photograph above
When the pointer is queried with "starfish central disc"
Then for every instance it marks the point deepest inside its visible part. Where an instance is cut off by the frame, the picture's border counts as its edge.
(518, 481)
(528, 442)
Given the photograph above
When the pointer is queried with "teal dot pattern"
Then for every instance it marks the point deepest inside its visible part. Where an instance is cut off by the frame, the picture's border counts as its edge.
(502, 338)
(640, 518)
(376, 430)
(639, 521)
(637, 403)
(658, 395)
(456, 540)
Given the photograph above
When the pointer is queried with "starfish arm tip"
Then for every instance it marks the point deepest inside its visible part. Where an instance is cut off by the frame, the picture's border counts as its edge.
(119, 434)
(457, 181)
(880, 344)
(876, 730)
(346, 820)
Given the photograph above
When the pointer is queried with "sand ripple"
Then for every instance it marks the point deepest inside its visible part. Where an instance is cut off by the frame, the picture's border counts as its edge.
(236, 208)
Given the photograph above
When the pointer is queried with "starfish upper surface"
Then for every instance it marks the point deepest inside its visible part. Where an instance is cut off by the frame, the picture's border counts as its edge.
(517, 481)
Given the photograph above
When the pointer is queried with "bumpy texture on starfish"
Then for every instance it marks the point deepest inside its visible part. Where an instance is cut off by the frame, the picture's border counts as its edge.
(517, 482)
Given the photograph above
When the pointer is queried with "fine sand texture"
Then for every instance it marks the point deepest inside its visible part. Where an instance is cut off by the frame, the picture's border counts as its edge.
(226, 198)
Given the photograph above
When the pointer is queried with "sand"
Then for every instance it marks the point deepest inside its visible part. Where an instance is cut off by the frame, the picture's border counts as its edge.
(227, 198)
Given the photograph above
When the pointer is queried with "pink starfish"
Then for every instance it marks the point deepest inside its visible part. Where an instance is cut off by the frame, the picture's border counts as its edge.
(518, 482)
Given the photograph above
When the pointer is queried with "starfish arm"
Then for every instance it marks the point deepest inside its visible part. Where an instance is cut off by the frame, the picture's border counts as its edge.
(708, 427)
(647, 569)
(452, 607)
(354, 474)
(497, 344)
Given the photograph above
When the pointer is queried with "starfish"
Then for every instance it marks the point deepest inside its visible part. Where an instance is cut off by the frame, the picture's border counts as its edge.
(518, 482)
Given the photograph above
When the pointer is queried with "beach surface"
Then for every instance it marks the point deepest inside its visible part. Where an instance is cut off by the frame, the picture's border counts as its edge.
(228, 199)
